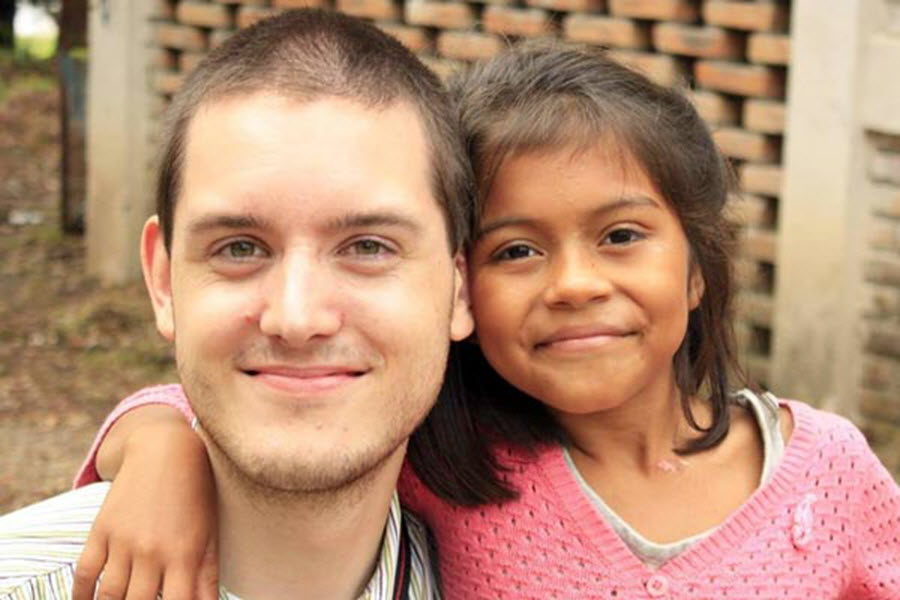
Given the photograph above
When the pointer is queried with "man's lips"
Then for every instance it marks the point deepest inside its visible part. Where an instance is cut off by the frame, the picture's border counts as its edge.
(305, 379)
(582, 337)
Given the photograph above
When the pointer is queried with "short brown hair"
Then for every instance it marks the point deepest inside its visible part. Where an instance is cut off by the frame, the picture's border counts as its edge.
(310, 54)
(541, 96)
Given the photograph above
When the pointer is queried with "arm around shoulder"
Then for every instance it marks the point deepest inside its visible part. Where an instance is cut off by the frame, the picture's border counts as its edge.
(158, 522)
(160, 405)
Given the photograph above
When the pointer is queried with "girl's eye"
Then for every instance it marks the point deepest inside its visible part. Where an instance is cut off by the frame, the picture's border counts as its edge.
(515, 252)
(620, 237)
(241, 250)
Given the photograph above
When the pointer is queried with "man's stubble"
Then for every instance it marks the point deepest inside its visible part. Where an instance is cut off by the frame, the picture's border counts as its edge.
(277, 477)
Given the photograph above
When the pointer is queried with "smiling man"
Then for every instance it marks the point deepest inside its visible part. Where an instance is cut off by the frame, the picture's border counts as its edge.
(305, 263)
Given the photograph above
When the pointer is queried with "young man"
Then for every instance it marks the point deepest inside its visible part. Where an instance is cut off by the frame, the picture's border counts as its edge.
(305, 263)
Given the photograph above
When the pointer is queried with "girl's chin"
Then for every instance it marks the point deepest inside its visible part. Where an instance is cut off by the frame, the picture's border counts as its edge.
(581, 406)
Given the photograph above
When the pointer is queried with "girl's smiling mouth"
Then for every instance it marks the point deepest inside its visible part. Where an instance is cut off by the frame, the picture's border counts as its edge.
(583, 337)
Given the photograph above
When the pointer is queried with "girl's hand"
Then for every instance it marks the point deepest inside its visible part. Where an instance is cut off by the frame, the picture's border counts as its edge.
(156, 530)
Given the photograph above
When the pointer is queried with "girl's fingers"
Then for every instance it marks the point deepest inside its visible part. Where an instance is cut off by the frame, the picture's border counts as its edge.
(89, 567)
(143, 584)
(178, 584)
(114, 582)
(208, 578)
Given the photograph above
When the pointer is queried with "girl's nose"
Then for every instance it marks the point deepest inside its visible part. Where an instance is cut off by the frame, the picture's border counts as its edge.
(576, 278)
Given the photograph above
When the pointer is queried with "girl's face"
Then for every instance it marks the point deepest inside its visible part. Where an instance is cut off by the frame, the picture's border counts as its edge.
(581, 279)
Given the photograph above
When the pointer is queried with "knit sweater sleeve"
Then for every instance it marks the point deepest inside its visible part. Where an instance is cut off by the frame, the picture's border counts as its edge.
(171, 395)
(877, 539)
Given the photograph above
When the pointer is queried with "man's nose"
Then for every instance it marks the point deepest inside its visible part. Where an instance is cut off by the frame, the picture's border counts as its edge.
(299, 301)
(576, 277)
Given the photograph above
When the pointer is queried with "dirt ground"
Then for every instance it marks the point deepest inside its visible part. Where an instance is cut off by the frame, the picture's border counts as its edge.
(68, 349)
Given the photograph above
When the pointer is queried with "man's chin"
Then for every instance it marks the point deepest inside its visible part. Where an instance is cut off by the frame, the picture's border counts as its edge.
(287, 469)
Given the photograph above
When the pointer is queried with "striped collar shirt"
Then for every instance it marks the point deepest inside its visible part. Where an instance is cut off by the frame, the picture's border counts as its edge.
(40, 545)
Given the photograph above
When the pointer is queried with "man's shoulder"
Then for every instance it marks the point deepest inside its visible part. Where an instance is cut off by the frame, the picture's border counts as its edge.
(40, 544)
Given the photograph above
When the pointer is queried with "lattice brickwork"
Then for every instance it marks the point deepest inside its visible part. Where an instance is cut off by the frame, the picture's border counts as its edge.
(881, 314)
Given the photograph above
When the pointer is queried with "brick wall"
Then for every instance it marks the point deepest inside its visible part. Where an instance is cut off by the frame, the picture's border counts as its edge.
(733, 55)
(881, 291)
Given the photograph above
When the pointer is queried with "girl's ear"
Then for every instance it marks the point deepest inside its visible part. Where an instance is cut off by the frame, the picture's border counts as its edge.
(696, 286)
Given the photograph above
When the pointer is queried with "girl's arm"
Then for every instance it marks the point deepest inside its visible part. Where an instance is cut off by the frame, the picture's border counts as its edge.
(155, 532)
(171, 396)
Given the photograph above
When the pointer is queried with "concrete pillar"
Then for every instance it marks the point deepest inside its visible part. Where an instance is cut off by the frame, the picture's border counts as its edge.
(119, 193)
(821, 242)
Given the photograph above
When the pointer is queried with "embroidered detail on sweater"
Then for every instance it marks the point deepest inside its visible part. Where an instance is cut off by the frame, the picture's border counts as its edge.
(802, 530)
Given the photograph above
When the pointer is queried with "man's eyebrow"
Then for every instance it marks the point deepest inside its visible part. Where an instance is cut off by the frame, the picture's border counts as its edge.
(344, 222)
(372, 219)
(227, 221)
(618, 204)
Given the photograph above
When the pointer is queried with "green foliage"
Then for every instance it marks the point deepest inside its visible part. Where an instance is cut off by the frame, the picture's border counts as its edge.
(22, 71)
(35, 48)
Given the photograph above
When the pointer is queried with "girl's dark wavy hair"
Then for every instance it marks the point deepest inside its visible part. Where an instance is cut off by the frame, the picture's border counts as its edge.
(551, 96)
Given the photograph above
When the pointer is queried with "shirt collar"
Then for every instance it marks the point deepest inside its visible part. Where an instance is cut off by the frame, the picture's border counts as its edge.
(381, 584)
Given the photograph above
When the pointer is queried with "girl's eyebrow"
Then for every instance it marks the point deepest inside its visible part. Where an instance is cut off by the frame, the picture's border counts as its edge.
(624, 202)
(493, 226)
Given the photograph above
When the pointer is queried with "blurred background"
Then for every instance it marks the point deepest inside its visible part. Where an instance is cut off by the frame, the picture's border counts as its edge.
(802, 96)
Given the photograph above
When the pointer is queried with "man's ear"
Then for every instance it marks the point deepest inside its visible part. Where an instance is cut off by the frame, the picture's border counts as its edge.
(461, 321)
(696, 286)
(158, 276)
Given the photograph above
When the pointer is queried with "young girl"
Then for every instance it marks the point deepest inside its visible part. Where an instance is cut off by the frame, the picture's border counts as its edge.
(590, 444)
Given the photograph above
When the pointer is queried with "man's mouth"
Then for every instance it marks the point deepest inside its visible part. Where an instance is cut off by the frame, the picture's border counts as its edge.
(304, 379)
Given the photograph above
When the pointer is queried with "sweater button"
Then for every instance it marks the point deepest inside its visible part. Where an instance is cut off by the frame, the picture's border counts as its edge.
(657, 586)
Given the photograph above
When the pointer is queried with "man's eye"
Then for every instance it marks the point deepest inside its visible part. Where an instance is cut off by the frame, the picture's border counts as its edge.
(368, 247)
(241, 249)
(515, 252)
(623, 236)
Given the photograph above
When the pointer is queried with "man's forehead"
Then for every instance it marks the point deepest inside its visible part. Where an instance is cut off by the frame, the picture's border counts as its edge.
(264, 157)
(270, 120)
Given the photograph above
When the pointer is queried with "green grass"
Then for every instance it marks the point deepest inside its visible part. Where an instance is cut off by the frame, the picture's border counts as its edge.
(27, 75)
(35, 48)
(6, 60)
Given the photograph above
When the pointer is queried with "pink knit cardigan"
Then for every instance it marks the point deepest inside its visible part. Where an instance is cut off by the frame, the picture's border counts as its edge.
(826, 526)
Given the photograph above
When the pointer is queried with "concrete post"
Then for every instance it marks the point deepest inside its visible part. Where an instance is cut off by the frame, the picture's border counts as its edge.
(821, 242)
(119, 195)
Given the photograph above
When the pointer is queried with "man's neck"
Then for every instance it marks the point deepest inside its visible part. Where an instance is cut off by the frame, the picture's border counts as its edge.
(303, 546)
